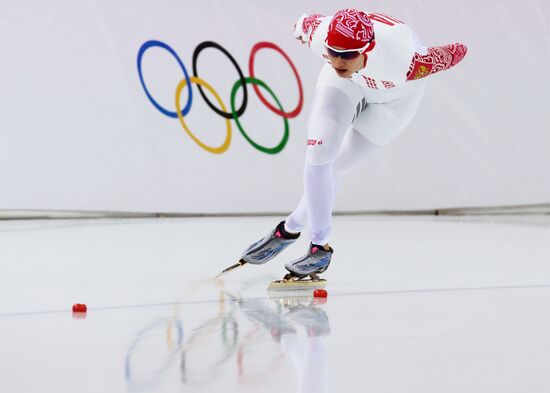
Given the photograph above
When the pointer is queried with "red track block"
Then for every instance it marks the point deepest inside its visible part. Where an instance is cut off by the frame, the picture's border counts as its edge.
(320, 293)
(79, 307)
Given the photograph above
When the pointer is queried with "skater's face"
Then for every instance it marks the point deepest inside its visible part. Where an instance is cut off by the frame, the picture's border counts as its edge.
(345, 63)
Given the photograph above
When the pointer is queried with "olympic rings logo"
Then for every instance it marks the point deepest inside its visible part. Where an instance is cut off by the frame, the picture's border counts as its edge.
(221, 109)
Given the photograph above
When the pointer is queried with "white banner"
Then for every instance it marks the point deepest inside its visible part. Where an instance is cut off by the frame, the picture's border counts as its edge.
(80, 130)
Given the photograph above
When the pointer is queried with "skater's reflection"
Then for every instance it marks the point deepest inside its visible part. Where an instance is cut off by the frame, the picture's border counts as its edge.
(206, 347)
(299, 324)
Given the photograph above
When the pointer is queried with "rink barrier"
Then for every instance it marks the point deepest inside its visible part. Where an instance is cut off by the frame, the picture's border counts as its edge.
(535, 209)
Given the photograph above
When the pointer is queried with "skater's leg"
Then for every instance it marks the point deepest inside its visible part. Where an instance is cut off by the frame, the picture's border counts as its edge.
(355, 149)
(337, 100)
(332, 114)
(319, 194)
(317, 180)
(297, 220)
(375, 126)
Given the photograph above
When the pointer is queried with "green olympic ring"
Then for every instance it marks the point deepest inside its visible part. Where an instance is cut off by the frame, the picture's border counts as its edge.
(255, 81)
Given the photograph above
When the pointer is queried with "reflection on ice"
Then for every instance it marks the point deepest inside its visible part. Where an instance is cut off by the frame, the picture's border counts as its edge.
(234, 338)
(307, 354)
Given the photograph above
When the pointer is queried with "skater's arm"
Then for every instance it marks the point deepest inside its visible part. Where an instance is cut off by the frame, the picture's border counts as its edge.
(438, 58)
(305, 28)
(312, 30)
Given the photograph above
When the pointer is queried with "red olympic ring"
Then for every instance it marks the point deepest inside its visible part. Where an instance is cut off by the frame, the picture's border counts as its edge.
(270, 45)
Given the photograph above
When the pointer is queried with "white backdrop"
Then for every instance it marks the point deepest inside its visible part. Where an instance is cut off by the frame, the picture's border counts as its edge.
(77, 131)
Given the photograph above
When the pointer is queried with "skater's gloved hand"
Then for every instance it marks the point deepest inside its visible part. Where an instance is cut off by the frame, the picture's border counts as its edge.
(299, 34)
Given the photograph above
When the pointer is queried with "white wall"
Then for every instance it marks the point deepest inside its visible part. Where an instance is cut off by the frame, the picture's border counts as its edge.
(77, 131)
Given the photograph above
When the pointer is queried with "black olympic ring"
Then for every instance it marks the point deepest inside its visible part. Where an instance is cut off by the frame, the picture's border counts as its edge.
(211, 44)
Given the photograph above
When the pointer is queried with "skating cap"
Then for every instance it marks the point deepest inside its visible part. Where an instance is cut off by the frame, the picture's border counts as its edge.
(350, 29)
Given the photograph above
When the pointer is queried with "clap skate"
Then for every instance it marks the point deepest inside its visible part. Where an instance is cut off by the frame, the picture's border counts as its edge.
(266, 248)
(315, 262)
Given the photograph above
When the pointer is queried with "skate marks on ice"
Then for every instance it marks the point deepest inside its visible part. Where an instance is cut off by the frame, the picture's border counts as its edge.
(217, 340)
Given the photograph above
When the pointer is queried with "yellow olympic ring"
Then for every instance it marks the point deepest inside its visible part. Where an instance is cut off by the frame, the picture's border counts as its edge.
(199, 81)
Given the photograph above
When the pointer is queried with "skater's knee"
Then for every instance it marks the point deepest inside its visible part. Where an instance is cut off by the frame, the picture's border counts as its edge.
(323, 145)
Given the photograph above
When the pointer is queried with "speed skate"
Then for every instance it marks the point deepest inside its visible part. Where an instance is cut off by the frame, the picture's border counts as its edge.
(314, 262)
(291, 282)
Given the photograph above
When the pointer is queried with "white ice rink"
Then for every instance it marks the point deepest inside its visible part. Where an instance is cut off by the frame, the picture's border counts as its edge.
(416, 304)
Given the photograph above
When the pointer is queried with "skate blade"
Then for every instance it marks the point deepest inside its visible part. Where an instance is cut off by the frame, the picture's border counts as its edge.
(231, 268)
(295, 285)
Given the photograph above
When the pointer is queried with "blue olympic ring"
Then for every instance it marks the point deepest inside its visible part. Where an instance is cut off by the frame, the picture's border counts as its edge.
(160, 44)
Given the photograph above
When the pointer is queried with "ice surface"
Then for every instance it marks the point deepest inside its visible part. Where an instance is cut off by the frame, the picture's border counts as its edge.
(416, 304)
